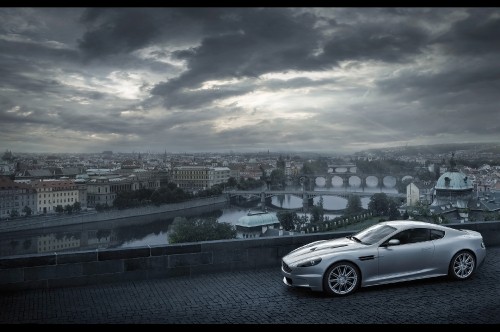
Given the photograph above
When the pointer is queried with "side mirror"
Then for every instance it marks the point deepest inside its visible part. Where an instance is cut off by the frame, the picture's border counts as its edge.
(393, 242)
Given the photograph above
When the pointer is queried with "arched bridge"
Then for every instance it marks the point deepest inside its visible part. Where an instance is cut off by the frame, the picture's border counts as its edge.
(306, 195)
(351, 179)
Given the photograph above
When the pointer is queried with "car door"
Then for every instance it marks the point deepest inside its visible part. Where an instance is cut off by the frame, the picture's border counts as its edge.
(410, 259)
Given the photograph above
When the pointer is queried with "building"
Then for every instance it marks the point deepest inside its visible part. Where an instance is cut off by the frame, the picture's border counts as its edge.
(419, 192)
(196, 178)
(16, 198)
(453, 187)
(52, 242)
(82, 193)
(453, 195)
(51, 193)
(255, 224)
(412, 194)
(102, 190)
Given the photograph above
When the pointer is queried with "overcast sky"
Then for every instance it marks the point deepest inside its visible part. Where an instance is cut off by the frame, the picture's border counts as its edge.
(333, 80)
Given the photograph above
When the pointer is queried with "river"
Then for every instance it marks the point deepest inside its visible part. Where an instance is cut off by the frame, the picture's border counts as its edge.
(113, 234)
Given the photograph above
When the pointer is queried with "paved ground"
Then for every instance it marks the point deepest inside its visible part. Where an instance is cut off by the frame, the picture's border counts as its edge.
(259, 297)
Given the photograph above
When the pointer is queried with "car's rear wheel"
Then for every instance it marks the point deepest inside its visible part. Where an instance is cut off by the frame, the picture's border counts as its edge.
(341, 279)
(462, 265)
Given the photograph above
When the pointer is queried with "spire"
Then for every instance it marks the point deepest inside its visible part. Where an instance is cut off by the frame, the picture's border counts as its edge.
(452, 163)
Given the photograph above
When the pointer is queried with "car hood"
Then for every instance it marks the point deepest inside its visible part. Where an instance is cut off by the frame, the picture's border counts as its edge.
(321, 248)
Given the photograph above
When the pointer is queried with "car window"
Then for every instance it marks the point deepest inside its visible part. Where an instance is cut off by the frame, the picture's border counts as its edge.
(412, 235)
(401, 236)
(419, 235)
(436, 234)
(374, 233)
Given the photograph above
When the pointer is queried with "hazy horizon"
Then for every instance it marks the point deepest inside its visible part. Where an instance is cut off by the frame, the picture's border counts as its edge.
(429, 148)
(199, 80)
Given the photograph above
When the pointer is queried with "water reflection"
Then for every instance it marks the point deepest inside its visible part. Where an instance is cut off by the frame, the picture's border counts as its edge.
(123, 234)
(289, 201)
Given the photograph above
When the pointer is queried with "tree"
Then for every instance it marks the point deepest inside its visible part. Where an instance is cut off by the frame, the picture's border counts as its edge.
(300, 221)
(196, 230)
(392, 211)
(77, 206)
(68, 209)
(103, 233)
(156, 198)
(27, 211)
(98, 207)
(27, 244)
(123, 201)
(281, 163)
(353, 205)
(59, 209)
(317, 211)
(379, 204)
(286, 219)
(231, 182)
(420, 210)
(14, 213)
(278, 177)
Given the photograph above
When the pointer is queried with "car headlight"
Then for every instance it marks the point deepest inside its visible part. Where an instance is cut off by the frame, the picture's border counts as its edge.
(311, 262)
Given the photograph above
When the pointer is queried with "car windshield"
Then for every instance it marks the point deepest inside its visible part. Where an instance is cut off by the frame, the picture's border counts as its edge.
(374, 233)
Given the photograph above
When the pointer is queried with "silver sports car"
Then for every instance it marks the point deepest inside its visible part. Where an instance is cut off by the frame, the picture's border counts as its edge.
(387, 252)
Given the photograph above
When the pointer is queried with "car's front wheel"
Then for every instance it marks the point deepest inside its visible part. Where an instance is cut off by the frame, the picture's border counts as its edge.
(341, 279)
(462, 265)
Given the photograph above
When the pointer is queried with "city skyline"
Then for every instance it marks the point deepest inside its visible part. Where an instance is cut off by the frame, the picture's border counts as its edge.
(326, 80)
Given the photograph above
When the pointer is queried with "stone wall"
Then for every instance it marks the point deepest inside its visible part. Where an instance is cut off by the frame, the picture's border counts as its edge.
(175, 260)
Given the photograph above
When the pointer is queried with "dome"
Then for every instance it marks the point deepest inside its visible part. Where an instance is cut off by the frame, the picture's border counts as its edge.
(258, 220)
(454, 181)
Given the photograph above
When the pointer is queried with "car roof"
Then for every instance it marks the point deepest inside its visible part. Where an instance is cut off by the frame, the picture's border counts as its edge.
(404, 224)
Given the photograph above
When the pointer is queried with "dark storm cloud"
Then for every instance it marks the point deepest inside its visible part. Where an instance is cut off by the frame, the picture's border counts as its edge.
(118, 30)
(274, 41)
(15, 116)
(41, 52)
(371, 41)
(465, 75)
(247, 42)
(369, 75)
(120, 35)
(264, 41)
(19, 75)
(476, 34)
(461, 95)
(14, 73)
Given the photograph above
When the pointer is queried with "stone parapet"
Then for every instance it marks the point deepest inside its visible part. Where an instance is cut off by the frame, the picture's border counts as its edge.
(186, 259)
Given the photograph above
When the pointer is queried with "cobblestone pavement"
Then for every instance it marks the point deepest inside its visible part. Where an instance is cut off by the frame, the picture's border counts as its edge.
(260, 297)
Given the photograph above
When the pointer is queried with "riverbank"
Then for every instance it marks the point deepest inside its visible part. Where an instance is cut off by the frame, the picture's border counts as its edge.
(22, 224)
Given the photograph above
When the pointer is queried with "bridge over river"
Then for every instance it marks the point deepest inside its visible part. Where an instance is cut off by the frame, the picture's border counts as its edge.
(306, 195)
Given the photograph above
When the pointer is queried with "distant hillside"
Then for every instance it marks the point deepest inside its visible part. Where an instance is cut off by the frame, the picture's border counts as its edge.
(440, 148)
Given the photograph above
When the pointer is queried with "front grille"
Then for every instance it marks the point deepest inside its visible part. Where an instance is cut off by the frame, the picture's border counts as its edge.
(285, 267)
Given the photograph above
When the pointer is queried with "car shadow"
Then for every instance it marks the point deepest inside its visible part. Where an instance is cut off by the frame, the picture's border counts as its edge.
(442, 280)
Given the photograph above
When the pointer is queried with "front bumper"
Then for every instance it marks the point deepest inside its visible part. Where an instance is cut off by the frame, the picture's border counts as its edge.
(305, 277)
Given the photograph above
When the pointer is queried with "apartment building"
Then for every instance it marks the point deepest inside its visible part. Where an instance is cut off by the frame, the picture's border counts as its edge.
(52, 242)
(103, 189)
(412, 194)
(196, 178)
(14, 197)
(51, 193)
